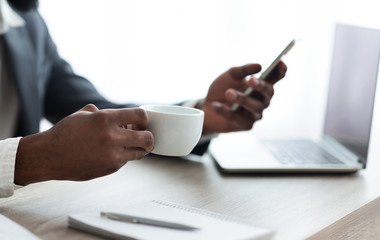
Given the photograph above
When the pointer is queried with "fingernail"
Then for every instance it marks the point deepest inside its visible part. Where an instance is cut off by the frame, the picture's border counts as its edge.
(232, 95)
(256, 81)
(216, 106)
(283, 71)
(258, 116)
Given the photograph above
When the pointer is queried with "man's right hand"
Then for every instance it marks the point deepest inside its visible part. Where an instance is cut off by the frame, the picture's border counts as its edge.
(87, 144)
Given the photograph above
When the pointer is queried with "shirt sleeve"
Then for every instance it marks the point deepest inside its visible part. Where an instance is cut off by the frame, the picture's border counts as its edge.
(203, 143)
(8, 150)
(206, 137)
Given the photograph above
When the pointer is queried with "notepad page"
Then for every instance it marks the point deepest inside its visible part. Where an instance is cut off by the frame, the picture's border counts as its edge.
(211, 225)
(12, 231)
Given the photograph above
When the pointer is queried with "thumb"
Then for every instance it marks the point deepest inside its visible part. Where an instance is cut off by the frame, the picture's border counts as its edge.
(241, 72)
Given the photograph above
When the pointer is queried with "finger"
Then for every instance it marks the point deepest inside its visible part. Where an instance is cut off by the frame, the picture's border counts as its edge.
(237, 121)
(132, 153)
(133, 127)
(248, 103)
(278, 73)
(130, 116)
(265, 89)
(89, 108)
(138, 139)
(239, 73)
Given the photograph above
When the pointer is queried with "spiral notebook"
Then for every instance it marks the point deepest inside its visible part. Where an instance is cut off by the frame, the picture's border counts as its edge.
(10, 230)
(210, 225)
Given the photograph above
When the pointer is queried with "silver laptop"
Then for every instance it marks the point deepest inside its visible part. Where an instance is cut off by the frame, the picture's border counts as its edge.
(344, 144)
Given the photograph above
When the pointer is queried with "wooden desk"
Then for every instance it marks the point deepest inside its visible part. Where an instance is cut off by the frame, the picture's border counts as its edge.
(296, 206)
(360, 224)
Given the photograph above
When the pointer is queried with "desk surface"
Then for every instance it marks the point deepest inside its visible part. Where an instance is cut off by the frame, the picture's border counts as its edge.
(296, 206)
(360, 224)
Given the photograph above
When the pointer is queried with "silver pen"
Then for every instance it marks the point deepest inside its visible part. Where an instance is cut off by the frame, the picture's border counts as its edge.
(147, 221)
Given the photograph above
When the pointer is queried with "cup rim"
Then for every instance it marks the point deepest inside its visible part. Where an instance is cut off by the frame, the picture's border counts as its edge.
(150, 108)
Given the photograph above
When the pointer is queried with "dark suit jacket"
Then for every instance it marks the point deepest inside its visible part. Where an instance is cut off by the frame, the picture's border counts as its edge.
(46, 84)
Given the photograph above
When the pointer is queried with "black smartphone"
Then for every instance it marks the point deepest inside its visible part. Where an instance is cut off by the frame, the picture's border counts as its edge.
(266, 73)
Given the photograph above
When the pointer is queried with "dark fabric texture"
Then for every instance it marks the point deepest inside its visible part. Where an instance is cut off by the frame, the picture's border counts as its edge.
(47, 85)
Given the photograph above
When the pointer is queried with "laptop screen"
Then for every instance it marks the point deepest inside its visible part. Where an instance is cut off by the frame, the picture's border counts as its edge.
(351, 96)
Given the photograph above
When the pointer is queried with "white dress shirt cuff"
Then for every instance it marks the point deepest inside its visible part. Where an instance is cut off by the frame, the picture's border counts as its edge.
(8, 150)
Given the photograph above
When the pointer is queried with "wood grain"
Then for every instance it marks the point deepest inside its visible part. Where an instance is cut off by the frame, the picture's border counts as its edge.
(361, 224)
(296, 206)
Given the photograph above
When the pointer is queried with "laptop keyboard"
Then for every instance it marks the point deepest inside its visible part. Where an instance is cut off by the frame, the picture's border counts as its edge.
(300, 152)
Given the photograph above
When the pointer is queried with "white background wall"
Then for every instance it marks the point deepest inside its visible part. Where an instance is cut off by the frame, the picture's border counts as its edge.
(171, 50)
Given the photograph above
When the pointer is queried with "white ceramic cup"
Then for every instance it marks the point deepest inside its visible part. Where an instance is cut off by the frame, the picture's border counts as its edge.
(176, 129)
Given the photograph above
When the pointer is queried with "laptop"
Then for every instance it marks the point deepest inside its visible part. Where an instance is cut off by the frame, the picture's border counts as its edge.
(343, 145)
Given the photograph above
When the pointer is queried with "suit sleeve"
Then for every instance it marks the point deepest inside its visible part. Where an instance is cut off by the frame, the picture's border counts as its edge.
(63, 91)
(67, 92)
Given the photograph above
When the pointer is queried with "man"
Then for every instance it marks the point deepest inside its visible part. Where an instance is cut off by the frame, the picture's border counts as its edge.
(88, 143)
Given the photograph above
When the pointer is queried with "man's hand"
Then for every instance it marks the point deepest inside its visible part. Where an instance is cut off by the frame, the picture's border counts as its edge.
(87, 144)
(228, 89)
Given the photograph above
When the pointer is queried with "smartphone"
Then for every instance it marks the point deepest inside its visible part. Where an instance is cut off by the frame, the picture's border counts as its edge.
(267, 72)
